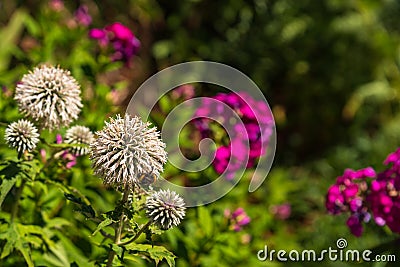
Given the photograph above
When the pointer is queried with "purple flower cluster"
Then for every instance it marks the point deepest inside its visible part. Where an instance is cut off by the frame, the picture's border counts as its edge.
(123, 41)
(250, 135)
(384, 197)
(237, 219)
(348, 194)
(361, 197)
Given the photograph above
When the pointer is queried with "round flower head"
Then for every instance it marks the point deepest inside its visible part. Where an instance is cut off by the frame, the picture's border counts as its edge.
(22, 135)
(165, 208)
(79, 135)
(126, 148)
(50, 96)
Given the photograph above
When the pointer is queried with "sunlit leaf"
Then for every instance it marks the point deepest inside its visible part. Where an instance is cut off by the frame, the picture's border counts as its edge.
(156, 253)
(107, 221)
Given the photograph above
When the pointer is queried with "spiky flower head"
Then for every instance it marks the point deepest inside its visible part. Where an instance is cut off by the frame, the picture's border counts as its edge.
(124, 149)
(166, 208)
(80, 135)
(50, 96)
(22, 135)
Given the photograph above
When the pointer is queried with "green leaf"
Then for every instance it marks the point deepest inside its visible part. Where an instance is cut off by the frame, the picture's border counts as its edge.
(11, 170)
(103, 224)
(9, 36)
(15, 238)
(118, 250)
(57, 223)
(5, 187)
(205, 220)
(156, 253)
(86, 209)
(73, 252)
(378, 91)
(164, 104)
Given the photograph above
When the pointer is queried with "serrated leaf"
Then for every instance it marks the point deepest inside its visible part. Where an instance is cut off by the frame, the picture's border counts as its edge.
(85, 209)
(103, 224)
(11, 170)
(16, 240)
(5, 187)
(156, 253)
(118, 250)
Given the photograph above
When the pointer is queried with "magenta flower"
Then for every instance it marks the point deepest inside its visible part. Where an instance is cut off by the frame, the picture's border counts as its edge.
(348, 195)
(100, 35)
(123, 41)
(221, 161)
(356, 228)
(258, 127)
(381, 198)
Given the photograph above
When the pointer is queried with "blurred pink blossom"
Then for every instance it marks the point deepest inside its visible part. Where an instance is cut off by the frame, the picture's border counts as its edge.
(281, 211)
(68, 158)
(82, 15)
(56, 5)
(237, 219)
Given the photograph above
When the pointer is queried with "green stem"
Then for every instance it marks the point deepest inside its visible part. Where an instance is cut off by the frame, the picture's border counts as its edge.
(136, 235)
(15, 207)
(119, 228)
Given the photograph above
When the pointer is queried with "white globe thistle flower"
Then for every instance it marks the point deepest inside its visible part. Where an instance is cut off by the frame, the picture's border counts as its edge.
(50, 96)
(124, 149)
(22, 135)
(79, 135)
(166, 208)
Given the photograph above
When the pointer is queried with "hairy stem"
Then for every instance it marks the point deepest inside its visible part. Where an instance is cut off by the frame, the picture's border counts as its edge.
(119, 227)
(15, 207)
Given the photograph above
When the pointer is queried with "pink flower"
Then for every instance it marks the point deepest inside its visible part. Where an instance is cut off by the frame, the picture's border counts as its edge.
(43, 155)
(282, 211)
(238, 219)
(82, 15)
(184, 92)
(56, 5)
(68, 158)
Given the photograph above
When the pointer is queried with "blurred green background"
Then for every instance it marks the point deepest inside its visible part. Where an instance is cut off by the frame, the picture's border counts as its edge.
(329, 69)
